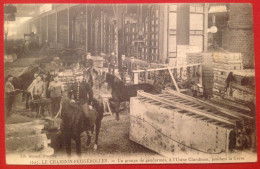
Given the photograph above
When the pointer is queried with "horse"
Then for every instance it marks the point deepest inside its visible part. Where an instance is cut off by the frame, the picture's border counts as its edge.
(122, 92)
(23, 81)
(74, 123)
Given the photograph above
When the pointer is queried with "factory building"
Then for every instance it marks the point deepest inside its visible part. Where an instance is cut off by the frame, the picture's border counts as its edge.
(177, 79)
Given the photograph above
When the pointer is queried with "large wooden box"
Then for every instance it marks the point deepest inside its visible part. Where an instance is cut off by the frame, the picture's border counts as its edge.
(168, 131)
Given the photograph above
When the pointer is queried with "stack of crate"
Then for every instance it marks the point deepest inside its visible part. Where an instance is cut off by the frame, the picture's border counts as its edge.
(193, 58)
(223, 64)
(188, 54)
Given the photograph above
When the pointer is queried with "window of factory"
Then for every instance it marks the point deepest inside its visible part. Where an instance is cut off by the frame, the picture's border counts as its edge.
(196, 26)
(196, 21)
(196, 8)
(172, 19)
(197, 41)
(172, 44)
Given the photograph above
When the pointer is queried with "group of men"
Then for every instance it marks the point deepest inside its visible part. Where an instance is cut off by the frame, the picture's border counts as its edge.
(125, 68)
(80, 91)
(41, 87)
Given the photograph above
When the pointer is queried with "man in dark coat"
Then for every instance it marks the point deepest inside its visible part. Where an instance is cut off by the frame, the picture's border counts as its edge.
(82, 93)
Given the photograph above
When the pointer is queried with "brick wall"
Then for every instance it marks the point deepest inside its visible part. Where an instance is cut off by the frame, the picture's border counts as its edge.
(240, 34)
(240, 16)
(242, 41)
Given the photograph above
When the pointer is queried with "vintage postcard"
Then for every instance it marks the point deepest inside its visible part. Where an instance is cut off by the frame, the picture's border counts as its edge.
(163, 83)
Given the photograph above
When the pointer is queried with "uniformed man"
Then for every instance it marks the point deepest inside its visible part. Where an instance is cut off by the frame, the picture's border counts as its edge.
(82, 93)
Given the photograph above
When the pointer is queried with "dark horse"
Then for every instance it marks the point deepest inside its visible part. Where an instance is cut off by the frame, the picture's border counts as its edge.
(122, 92)
(23, 81)
(74, 123)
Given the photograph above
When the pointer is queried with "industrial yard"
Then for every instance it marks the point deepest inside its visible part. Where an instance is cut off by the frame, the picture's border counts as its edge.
(140, 83)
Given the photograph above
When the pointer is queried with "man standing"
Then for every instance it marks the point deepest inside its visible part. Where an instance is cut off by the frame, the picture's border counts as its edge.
(37, 91)
(123, 67)
(112, 63)
(55, 89)
(88, 74)
(9, 95)
(88, 61)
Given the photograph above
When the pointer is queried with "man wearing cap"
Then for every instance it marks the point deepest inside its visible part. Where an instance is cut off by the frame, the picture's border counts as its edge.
(112, 63)
(88, 61)
(82, 93)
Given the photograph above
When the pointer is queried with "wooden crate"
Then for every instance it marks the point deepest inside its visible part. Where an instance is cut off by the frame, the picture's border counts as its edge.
(169, 131)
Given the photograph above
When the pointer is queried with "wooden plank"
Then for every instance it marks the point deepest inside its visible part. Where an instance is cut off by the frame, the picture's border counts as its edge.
(182, 106)
(165, 68)
(175, 84)
(212, 106)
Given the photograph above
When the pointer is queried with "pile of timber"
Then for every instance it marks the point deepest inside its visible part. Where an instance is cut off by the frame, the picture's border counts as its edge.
(223, 64)
(27, 137)
(188, 54)
(193, 58)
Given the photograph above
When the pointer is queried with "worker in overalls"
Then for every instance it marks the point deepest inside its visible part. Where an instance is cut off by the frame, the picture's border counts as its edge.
(82, 93)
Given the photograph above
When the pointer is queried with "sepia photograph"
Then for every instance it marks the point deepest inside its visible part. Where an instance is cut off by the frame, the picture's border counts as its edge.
(154, 83)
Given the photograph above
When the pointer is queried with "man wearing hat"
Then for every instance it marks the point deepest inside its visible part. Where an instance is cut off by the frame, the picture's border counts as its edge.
(82, 93)
(88, 61)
